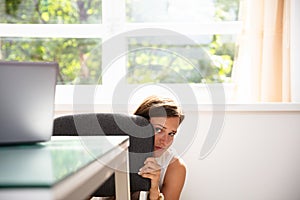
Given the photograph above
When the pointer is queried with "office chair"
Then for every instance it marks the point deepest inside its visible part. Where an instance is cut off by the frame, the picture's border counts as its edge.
(141, 139)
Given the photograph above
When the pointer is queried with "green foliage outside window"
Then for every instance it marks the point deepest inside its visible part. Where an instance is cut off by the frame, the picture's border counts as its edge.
(80, 59)
(189, 63)
(50, 11)
(217, 52)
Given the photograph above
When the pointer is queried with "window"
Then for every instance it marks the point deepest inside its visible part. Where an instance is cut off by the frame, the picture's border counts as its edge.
(35, 31)
(198, 20)
(74, 33)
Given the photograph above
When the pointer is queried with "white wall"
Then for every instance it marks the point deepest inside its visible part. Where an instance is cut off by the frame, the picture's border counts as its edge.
(256, 158)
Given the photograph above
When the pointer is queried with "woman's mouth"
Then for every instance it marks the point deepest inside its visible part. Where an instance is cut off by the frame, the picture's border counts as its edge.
(158, 148)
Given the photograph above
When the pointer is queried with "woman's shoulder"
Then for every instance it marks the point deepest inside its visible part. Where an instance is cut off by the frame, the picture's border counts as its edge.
(175, 161)
(177, 165)
(175, 178)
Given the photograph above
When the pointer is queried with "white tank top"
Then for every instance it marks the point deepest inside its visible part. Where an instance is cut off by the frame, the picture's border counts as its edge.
(164, 161)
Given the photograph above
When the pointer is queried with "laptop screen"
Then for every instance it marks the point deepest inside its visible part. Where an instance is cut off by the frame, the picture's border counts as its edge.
(27, 93)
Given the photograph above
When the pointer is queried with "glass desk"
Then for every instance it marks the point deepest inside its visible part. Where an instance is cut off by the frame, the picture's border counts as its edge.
(64, 168)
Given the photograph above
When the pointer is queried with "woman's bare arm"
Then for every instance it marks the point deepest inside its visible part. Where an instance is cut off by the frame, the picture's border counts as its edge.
(174, 180)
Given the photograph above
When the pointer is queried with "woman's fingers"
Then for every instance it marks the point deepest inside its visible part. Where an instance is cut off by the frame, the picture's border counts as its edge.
(150, 166)
(151, 169)
(150, 159)
(147, 175)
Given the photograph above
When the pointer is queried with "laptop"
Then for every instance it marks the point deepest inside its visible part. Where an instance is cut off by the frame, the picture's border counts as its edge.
(27, 93)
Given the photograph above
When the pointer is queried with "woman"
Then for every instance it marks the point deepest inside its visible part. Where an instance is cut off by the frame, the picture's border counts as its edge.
(166, 171)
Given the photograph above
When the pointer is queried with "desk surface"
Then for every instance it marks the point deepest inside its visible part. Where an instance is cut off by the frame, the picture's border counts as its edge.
(45, 164)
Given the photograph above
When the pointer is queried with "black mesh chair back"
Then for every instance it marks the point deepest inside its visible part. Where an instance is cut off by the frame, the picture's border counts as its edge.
(141, 139)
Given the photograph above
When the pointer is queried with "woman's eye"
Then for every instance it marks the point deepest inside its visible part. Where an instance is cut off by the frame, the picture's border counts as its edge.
(172, 134)
(157, 130)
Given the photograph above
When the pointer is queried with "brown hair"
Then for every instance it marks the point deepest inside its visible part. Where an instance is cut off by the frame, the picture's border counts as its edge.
(155, 106)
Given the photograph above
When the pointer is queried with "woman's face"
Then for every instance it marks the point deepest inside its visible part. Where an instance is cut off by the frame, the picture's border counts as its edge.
(165, 129)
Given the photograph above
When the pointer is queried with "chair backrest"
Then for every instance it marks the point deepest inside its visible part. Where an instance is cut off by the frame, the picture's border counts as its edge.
(141, 138)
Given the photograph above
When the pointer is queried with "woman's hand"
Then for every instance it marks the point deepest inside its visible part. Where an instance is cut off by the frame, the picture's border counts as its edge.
(152, 170)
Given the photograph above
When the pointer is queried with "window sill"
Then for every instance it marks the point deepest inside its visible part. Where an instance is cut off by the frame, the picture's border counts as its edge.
(91, 98)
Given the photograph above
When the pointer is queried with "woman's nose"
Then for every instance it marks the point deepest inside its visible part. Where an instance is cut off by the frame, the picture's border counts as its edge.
(164, 138)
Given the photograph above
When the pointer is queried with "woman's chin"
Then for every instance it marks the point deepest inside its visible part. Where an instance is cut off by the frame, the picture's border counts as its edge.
(158, 152)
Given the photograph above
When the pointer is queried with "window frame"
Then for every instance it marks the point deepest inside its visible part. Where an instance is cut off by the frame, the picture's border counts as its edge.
(113, 23)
